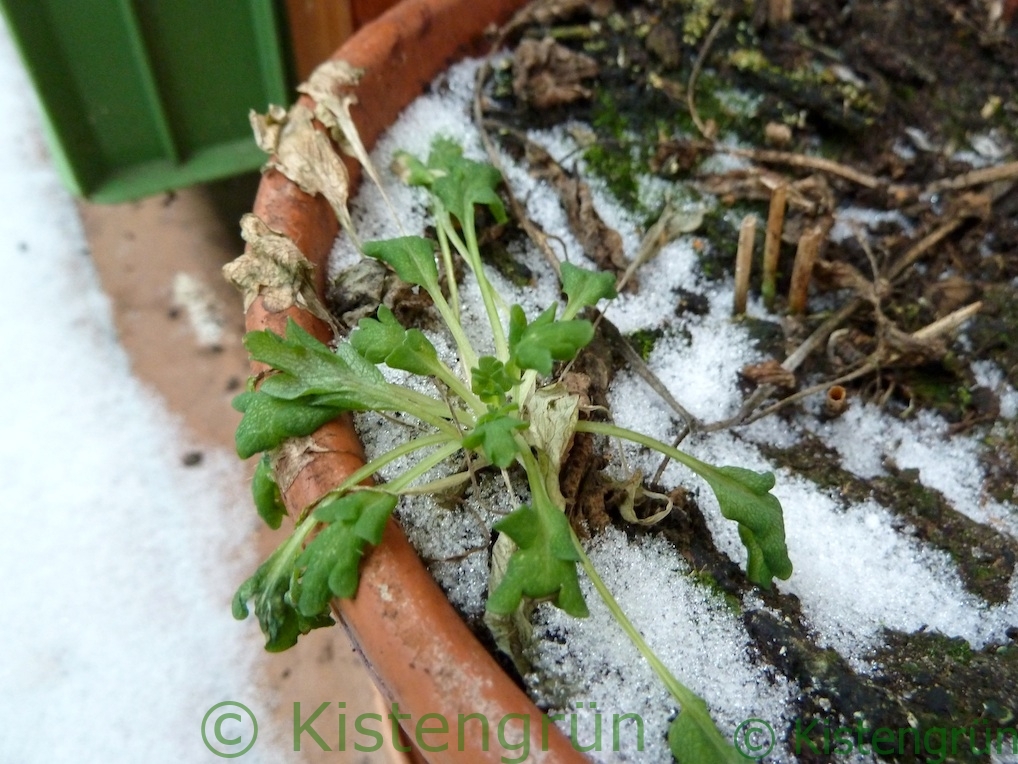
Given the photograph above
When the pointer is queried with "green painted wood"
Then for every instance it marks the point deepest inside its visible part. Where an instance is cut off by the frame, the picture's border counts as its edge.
(142, 96)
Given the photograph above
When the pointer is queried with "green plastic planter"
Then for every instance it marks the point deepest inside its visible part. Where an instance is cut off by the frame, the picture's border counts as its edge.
(143, 96)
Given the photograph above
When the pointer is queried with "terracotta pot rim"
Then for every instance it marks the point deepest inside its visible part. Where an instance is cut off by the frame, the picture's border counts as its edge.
(422, 654)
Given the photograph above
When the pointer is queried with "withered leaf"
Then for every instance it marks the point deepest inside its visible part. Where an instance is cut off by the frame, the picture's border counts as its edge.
(547, 74)
(600, 242)
(274, 267)
(305, 155)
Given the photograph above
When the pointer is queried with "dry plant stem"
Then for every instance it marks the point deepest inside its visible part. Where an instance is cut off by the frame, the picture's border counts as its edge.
(791, 363)
(836, 402)
(924, 245)
(876, 360)
(948, 323)
(802, 269)
(770, 156)
(614, 336)
(744, 263)
(697, 66)
(1006, 171)
(772, 244)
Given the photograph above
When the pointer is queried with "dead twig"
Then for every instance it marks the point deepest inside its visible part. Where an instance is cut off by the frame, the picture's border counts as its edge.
(877, 359)
(772, 244)
(791, 159)
(802, 269)
(744, 263)
(620, 343)
(980, 177)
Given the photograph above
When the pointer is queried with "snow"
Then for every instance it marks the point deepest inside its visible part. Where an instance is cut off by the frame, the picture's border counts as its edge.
(118, 562)
(857, 572)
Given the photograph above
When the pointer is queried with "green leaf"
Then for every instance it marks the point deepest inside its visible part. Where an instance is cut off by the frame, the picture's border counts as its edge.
(694, 739)
(412, 257)
(538, 344)
(489, 380)
(309, 366)
(269, 587)
(267, 498)
(308, 370)
(744, 496)
(584, 288)
(269, 421)
(331, 561)
(415, 354)
(544, 566)
(460, 183)
(493, 434)
(374, 338)
(411, 170)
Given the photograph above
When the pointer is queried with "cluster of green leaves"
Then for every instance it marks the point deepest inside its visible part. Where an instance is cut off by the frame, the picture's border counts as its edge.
(492, 415)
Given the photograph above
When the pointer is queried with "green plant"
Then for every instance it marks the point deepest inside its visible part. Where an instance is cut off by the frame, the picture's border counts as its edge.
(502, 415)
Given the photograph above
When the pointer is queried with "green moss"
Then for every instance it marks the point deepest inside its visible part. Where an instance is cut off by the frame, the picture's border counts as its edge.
(709, 582)
(643, 341)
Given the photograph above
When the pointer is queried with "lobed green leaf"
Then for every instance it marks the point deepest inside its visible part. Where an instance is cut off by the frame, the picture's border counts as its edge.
(412, 257)
(585, 288)
(460, 183)
(490, 381)
(415, 354)
(269, 587)
(267, 498)
(744, 496)
(493, 435)
(544, 566)
(268, 421)
(539, 344)
(375, 338)
(331, 561)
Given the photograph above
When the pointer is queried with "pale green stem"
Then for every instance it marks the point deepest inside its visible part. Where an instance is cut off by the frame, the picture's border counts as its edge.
(450, 274)
(467, 354)
(422, 467)
(679, 691)
(455, 384)
(388, 457)
(611, 430)
(487, 293)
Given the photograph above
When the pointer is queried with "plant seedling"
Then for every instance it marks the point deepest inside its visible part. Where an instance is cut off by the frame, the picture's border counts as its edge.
(495, 415)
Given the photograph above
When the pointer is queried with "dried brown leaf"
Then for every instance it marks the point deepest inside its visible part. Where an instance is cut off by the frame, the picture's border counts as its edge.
(600, 242)
(305, 155)
(275, 268)
(547, 74)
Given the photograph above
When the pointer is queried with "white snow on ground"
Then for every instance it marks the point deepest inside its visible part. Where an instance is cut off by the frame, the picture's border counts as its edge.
(855, 574)
(117, 562)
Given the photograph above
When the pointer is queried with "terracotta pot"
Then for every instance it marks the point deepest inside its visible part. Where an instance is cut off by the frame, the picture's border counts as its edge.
(423, 656)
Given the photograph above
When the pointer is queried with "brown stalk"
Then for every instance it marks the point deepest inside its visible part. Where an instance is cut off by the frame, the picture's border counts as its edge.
(974, 178)
(802, 269)
(744, 263)
(772, 244)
